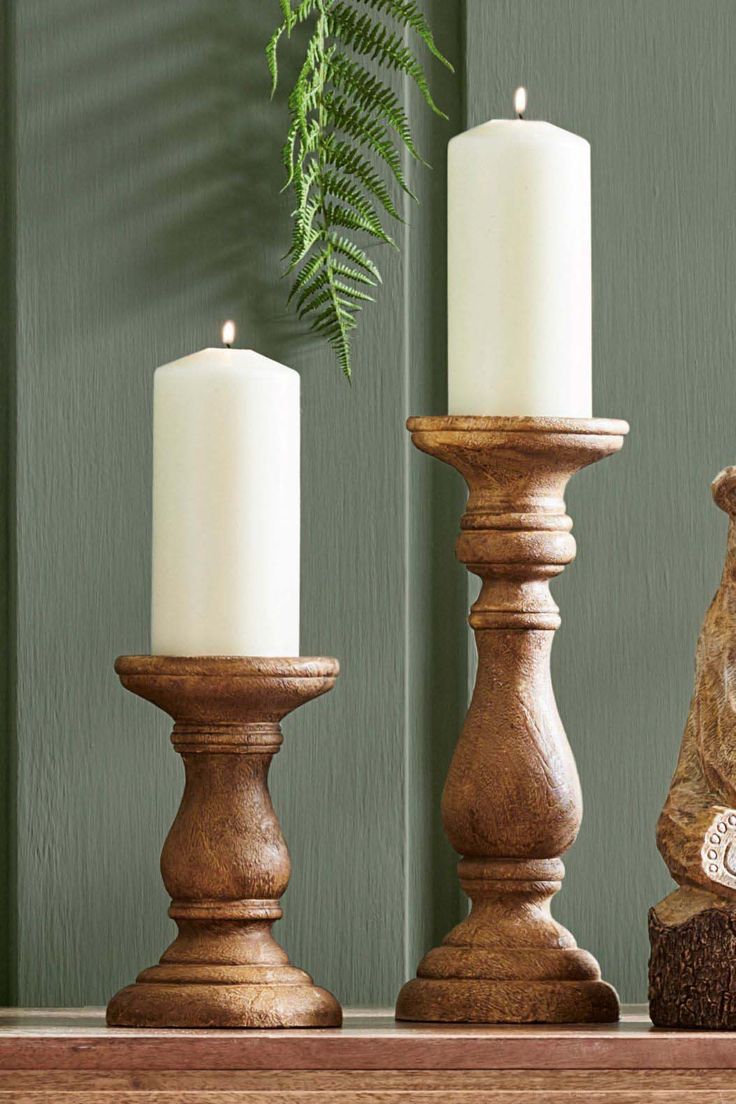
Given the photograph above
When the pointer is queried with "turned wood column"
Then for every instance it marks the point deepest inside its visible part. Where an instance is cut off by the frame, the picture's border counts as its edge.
(225, 863)
(511, 804)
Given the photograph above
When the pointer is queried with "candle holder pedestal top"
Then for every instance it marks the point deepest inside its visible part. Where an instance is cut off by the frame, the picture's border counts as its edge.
(225, 862)
(511, 803)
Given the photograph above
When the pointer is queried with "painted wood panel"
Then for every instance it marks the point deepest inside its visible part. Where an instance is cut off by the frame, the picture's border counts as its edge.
(146, 167)
(148, 162)
(7, 373)
(652, 86)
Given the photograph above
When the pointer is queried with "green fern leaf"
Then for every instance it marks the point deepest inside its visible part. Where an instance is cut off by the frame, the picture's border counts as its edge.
(350, 161)
(342, 154)
(373, 40)
(314, 303)
(352, 292)
(353, 274)
(370, 94)
(408, 14)
(306, 272)
(353, 123)
(357, 255)
(288, 14)
(272, 59)
(339, 187)
(321, 281)
(339, 215)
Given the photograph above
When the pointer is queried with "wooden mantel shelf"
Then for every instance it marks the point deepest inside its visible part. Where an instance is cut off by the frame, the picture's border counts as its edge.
(69, 1056)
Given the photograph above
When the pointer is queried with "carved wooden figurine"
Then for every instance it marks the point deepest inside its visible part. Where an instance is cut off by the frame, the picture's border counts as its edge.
(511, 804)
(692, 982)
(225, 862)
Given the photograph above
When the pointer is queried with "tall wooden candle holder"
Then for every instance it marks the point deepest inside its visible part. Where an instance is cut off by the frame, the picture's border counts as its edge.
(224, 862)
(511, 804)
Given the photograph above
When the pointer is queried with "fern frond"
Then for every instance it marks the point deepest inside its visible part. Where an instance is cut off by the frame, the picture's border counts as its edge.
(371, 39)
(350, 161)
(272, 59)
(339, 215)
(306, 272)
(352, 292)
(408, 14)
(353, 274)
(304, 235)
(288, 14)
(336, 186)
(355, 125)
(357, 255)
(370, 94)
(342, 154)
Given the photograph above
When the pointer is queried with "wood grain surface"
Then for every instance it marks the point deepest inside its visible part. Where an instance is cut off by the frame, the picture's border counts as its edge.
(651, 85)
(77, 1039)
(511, 805)
(149, 210)
(225, 862)
(69, 1056)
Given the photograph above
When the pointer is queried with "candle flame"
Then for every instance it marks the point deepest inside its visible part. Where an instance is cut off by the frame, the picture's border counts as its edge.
(228, 334)
(520, 101)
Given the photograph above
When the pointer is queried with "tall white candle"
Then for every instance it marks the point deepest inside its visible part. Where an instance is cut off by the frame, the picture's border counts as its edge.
(519, 280)
(225, 506)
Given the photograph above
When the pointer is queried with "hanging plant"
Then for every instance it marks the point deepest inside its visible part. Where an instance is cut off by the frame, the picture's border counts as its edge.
(343, 150)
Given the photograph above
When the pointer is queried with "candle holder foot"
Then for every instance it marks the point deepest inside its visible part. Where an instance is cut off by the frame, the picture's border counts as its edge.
(511, 804)
(509, 961)
(225, 862)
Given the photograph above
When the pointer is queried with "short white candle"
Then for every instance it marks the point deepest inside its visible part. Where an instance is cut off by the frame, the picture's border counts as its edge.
(519, 270)
(225, 506)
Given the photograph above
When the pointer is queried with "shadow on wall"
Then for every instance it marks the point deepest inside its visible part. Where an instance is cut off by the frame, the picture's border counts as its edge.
(158, 117)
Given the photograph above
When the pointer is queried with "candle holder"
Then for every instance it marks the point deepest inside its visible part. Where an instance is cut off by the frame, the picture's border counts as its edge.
(225, 862)
(511, 804)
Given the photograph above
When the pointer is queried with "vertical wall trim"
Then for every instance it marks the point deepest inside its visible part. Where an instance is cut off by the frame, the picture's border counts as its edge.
(434, 587)
(7, 448)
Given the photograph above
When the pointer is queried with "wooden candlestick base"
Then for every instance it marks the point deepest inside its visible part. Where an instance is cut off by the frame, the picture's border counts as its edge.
(511, 804)
(224, 862)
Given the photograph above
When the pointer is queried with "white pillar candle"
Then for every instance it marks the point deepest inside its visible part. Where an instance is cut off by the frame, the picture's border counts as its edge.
(519, 280)
(225, 506)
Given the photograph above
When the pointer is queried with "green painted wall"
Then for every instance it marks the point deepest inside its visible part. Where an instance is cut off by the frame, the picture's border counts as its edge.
(148, 209)
(7, 373)
(142, 181)
(652, 85)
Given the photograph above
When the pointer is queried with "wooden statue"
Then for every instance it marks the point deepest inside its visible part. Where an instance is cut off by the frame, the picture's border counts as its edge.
(692, 981)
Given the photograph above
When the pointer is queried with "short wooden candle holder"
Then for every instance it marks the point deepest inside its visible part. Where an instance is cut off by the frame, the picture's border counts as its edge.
(225, 862)
(511, 804)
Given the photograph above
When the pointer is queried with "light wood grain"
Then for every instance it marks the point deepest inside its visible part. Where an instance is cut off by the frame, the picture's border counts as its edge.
(395, 1081)
(78, 1041)
(511, 803)
(368, 1062)
(710, 1092)
(225, 862)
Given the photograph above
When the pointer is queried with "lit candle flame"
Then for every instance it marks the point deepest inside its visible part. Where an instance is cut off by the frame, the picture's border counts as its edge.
(520, 101)
(228, 334)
